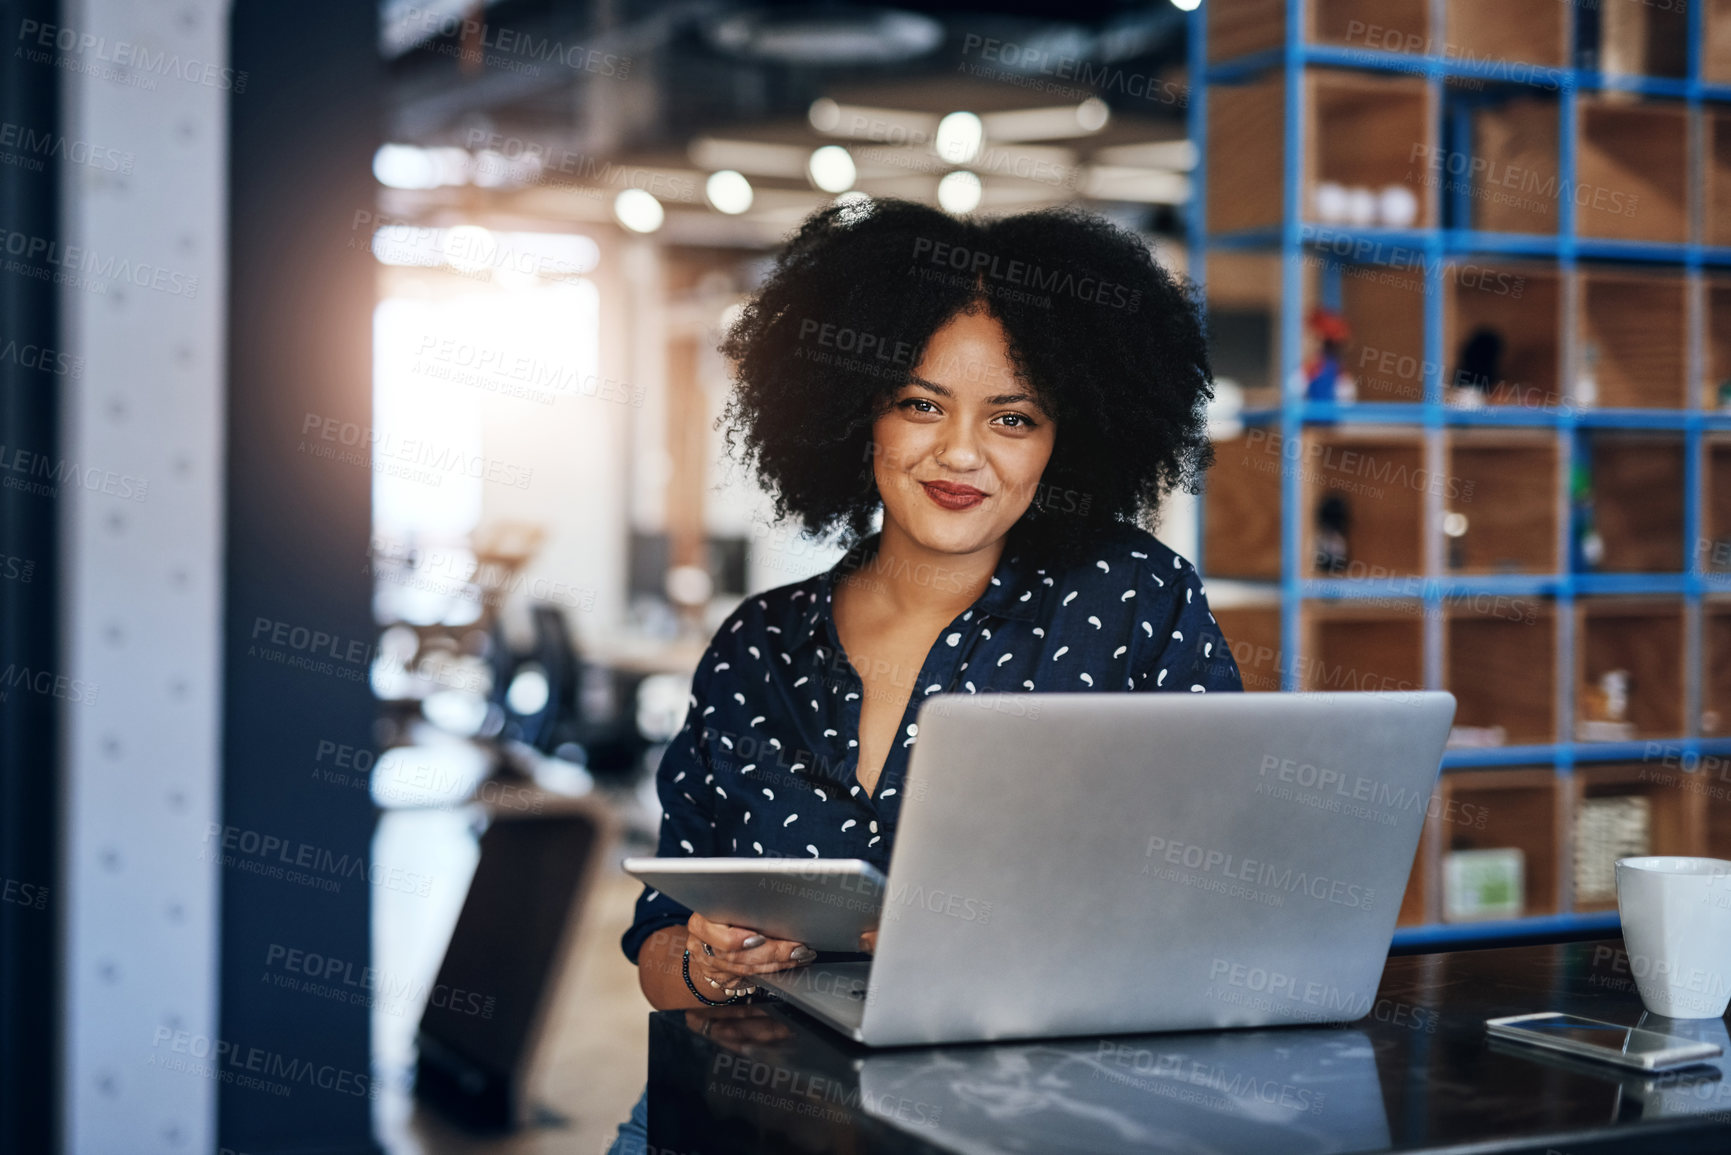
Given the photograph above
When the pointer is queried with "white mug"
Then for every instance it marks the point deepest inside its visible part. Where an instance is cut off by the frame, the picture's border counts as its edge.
(1676, 916)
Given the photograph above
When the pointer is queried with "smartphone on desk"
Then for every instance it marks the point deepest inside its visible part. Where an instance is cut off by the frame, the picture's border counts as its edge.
(1634, 1047)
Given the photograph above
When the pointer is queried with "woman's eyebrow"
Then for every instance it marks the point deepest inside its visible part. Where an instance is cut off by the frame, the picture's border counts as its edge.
(999, 399)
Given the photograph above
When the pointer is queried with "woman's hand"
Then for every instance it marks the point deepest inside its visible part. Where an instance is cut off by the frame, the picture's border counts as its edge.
(868, 941)
(735, 954)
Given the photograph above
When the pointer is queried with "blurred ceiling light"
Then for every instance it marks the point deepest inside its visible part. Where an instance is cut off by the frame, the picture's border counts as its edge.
(529, 690)
(1175, 155)
(753, 157)
(410, 167)
(866, 122)
(728, 191)
(831, 168)
(1055, 123)
(1187, 5)
(960, 135)
(959, 192)
(1143, 186)
(1092, 114)
(638, 211)
(824, 114)
(823, 35)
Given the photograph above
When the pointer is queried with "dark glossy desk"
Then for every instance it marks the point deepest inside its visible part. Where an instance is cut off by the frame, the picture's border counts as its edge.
(1416, 1074)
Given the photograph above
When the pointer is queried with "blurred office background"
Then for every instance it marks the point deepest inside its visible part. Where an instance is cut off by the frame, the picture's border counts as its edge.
(364, 513)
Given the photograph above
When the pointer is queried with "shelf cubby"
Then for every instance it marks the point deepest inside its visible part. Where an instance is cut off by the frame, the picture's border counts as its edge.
(1716, 175)
(1643, 38)
(1643, 637)
(1716, 670)
(1352, 116)
(1717, 310)
(1520, 811)
(1673, 823)
(1503, 482)
(1515, 144)
(1632, 170)
(1496, 30)
(1384, 309)
(1500, 662)
(1352, 647)
(1716, 44)
(1241, 515)
(1244, 27)
(1713, 551)
(1523, 304)
(1638, 501)
(1379, 473)
(1252, 633)
(1634, 325)
(1418, 901)
(1397, 24)
(1244, 183)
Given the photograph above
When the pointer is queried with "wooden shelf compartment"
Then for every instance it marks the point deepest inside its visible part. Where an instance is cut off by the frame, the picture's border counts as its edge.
(1496, 30)
(1517, 808)
(1377, 472)
(1350, 647)
(1246, 123)
(1638, 501)
(1380, 475)
(1632, 170)
(1642, 38)
(1520, 303)
(1500, 662)
(1634, 333)
(1716, 309)
(1242, 27)
(1643, 637)
(1716, 43)
(1515, 140)
(1364, 131)
(1384, 308)
(1418, 903)
(1252, 633)
(1716, 672)
(1377, 25)
(1361, 130)
(1241, 507)
(1713, 551)
(1621, 810)
(1716, 173)
(1503, 483)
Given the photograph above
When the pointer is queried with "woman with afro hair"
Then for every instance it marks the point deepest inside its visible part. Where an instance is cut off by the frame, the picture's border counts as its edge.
(1013, 398)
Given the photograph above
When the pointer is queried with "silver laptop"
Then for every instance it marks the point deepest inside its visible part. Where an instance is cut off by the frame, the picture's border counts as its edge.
(1084, 864)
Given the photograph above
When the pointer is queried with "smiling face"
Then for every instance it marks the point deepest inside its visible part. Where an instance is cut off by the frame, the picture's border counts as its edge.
(959, 452)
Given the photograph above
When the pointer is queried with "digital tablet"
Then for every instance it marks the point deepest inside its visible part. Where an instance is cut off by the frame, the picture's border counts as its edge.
(825, 903)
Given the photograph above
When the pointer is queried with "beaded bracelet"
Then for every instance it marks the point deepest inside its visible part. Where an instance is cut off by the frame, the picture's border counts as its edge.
(685, 969)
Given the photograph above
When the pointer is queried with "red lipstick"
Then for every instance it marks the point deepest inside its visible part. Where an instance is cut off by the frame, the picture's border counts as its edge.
(952, 496)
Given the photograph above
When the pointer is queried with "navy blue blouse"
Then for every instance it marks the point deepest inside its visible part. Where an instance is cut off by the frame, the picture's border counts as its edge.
(765, 765)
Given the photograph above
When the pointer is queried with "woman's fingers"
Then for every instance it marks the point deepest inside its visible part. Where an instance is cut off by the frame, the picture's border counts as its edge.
(868, 941)
(728, 950)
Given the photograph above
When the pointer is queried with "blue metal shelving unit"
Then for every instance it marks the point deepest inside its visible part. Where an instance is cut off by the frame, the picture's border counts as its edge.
(1294, 238)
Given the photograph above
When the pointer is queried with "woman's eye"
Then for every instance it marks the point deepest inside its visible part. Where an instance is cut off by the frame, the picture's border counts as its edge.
(918, 405)
(1018, 420)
